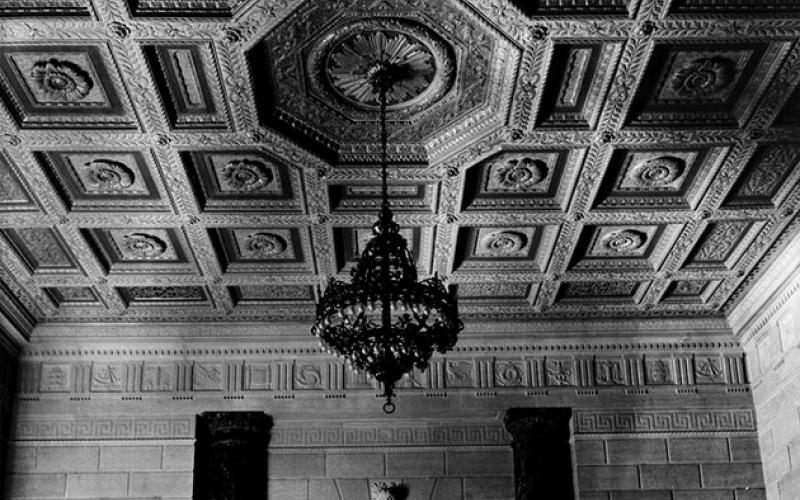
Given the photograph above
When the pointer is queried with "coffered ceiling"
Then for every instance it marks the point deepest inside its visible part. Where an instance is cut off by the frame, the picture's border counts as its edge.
(215, 160)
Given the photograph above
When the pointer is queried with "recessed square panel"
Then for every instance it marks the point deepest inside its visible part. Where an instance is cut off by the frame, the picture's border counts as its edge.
(624, 247)
(350, 243)
(65, 86)
(353, 197)
(504, 248)
(184, 8)
(45, 8)
(187, 78)
(236, 180)
(273, 250)
(573, 91)
(164, 295)
(657, 179)
(572, 7)
(768, 177)
(733, 7)
(105, 180)
(701, 84)
(73, 296)
(146, 250)
(610, 292)
(721, 244)
(42, 250)
(518, 180)
(272, 294)
(790, 114)
(689, 291)
(14, 196)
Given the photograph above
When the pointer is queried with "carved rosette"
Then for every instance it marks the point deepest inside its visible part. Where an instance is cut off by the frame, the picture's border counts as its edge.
(247, 176)
(704, 77)
(658, 172)
(143, 246)
(61, 81)
(265, 245)
(516, 174)
(503, 243)
(109, 175)
(341, 64)
(624, 241)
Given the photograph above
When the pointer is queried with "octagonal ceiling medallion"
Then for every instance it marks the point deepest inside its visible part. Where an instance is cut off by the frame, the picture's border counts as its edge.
(316, 67)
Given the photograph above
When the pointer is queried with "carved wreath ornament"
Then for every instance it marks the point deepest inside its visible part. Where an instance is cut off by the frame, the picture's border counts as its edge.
(504, 243)
(109, 175)
(265, 245)
(247, 176)
(624, 241)
(657, 172)
(144, 246)
(61, 80)
(703, 77)
(517, 174)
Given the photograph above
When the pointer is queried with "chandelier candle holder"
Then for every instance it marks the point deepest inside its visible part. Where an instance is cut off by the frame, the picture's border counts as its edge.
(385, 322)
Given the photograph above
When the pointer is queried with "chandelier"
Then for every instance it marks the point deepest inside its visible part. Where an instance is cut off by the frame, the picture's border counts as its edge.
(385, 322)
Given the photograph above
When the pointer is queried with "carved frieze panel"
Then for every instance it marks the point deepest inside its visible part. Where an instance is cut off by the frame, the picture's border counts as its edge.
(143, 250)
(520, 180)
(701, 84)
(184, 8)
(271, 294)
(265, 249)
(460, 373)
(769, 176)
(659, 371)
(709, 369)
(244, 180)
(504, 248)
(575, 83)
(13, 194)
(73, 295)
(105, 180)
(406, 197)
(734, 7)
(657, 179)
(56, 377)
(108, 377)
(148, 296)
(350, 242)
(188, 80)
(602, 292)
(64, 86)
(721, 244)
(159, 377)
(45, 8)
(208, 376)
(572, 7)
(560, 372)
(690, 291)
(42, 250)
(611, 371)
(623, 247)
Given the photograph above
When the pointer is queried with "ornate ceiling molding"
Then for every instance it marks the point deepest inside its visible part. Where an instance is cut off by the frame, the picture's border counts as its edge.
(654, 121)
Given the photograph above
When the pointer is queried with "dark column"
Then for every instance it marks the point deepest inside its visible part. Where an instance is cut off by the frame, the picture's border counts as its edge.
(8, 373)
(231, 456)
(542, 453)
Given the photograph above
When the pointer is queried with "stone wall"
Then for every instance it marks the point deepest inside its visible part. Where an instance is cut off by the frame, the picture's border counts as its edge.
(118, 420)
(768, 323)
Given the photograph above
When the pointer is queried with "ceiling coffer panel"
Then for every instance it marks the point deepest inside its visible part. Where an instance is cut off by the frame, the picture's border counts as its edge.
(216, 160)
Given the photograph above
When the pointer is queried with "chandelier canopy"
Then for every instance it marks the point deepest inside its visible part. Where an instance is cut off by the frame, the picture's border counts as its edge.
(385, 322)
